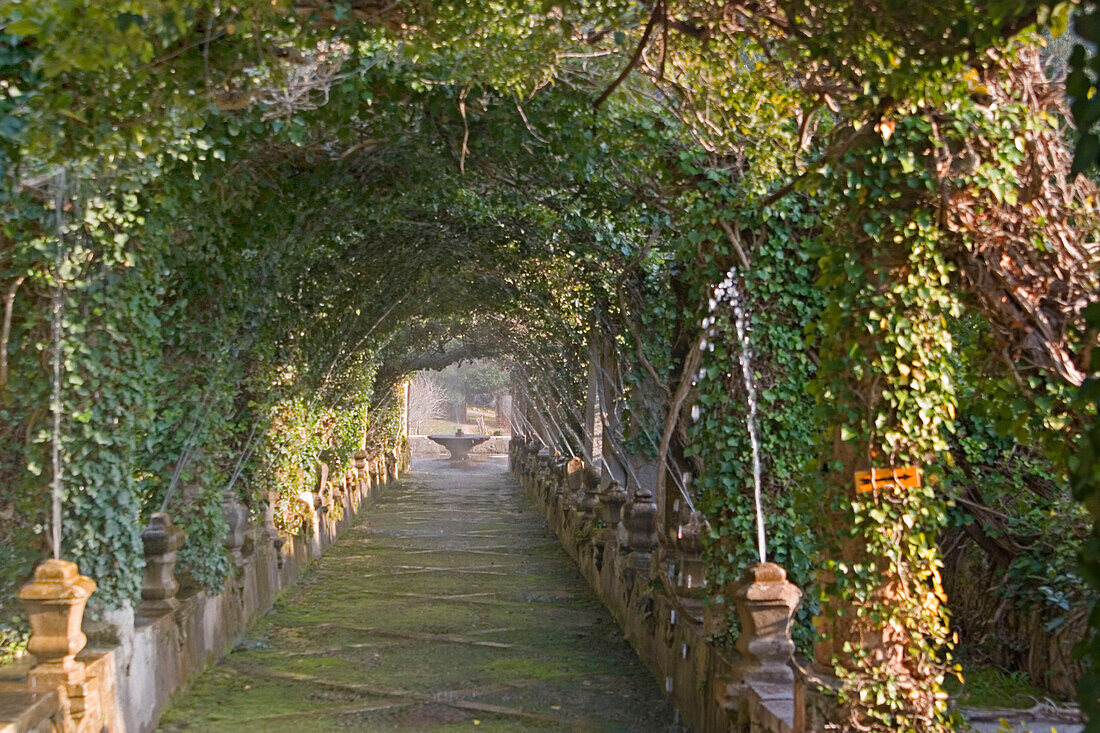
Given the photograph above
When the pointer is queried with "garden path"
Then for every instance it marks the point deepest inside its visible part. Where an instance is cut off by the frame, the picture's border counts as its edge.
(448, 606)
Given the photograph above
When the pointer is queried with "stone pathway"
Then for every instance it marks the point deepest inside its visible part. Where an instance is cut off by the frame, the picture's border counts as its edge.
(449, 606)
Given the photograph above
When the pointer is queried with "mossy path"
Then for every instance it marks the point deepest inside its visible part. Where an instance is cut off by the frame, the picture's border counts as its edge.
(449, 606)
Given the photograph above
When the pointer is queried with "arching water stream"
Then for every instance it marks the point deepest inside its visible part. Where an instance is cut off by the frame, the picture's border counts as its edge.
(727, 292)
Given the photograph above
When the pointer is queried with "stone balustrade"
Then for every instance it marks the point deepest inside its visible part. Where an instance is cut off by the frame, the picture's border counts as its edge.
(66, 686)
(613, 536)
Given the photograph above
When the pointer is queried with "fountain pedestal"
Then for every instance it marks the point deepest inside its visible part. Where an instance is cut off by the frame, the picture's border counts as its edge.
(459, 446)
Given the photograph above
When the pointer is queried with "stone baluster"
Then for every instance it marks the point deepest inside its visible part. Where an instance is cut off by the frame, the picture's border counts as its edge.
(391, 466)
(570, 481)
(590, 499)
(513, 445)
(612, 499)
(359, 461)
(372, 477)
(766, 602)
(556, 480)
(311, 504)
(562, 470)
(525, 465)
(533, 453)
(328, 502)
(321, 502)
(691, 578)
(347, 490)
(641, 531)
(160, 539)
(615, 497)
(271, 532)
(531, 467)
(55, 600)
(236, 516)
(542, 476)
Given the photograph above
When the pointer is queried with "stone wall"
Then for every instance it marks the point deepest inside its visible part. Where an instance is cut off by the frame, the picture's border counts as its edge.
(134, 664)
(662, 621)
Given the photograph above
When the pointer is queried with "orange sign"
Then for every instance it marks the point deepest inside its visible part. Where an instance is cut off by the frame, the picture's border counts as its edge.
(907, 477)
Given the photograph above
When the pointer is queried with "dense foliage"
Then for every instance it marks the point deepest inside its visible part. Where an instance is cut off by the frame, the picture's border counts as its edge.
(260, 219)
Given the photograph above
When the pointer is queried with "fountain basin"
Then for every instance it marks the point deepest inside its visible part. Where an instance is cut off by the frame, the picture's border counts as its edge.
(459, 445)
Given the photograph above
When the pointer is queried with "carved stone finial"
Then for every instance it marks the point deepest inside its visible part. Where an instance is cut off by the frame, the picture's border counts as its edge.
(590, 502)
(765, 604)
(693, 572)
(615, 497)
(236, 515)
(160, 539)
(55, 600)
(270, 530)
(641, 530)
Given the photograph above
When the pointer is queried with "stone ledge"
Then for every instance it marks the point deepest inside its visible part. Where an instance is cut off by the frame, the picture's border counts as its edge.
(131, 683)
(665, 634)
(22, 711)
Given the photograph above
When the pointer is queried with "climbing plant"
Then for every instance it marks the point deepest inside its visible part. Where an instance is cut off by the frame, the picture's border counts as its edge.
(277, 212)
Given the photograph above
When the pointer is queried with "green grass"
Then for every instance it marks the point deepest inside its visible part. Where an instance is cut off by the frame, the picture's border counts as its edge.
(991, 687)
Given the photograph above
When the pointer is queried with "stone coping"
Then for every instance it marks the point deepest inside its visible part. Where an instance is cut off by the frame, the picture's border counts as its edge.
(150, 659)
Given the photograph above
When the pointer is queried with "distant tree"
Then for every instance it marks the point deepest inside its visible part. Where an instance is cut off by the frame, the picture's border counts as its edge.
(427, 400)
(482, 381)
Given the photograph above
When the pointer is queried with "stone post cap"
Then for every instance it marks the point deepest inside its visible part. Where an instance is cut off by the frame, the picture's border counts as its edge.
(765, 572)
(690, 536)
(161, 535)
(767, 581)
(57, 580)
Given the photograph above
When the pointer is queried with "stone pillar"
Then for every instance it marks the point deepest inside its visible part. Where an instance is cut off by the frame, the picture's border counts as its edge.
(590, 502)
(541, 476)
(641, 531)
(271, 532)
(615, 496)
(765, 603)
(530, 460)
(691, 579)
(573, 482)
(311, 505)
(236, 515)
(161, 539)
(359, 461)
(560, 479)
(327, 498)
(391, 466)
(54, 601)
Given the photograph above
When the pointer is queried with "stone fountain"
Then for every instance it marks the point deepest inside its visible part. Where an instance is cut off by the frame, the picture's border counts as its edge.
(459, 444)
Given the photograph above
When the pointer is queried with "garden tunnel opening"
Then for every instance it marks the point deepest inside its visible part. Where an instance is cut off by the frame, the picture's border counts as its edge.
(222, 258)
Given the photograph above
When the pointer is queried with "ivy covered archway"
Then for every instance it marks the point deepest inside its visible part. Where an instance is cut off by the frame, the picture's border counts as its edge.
(239, 226)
